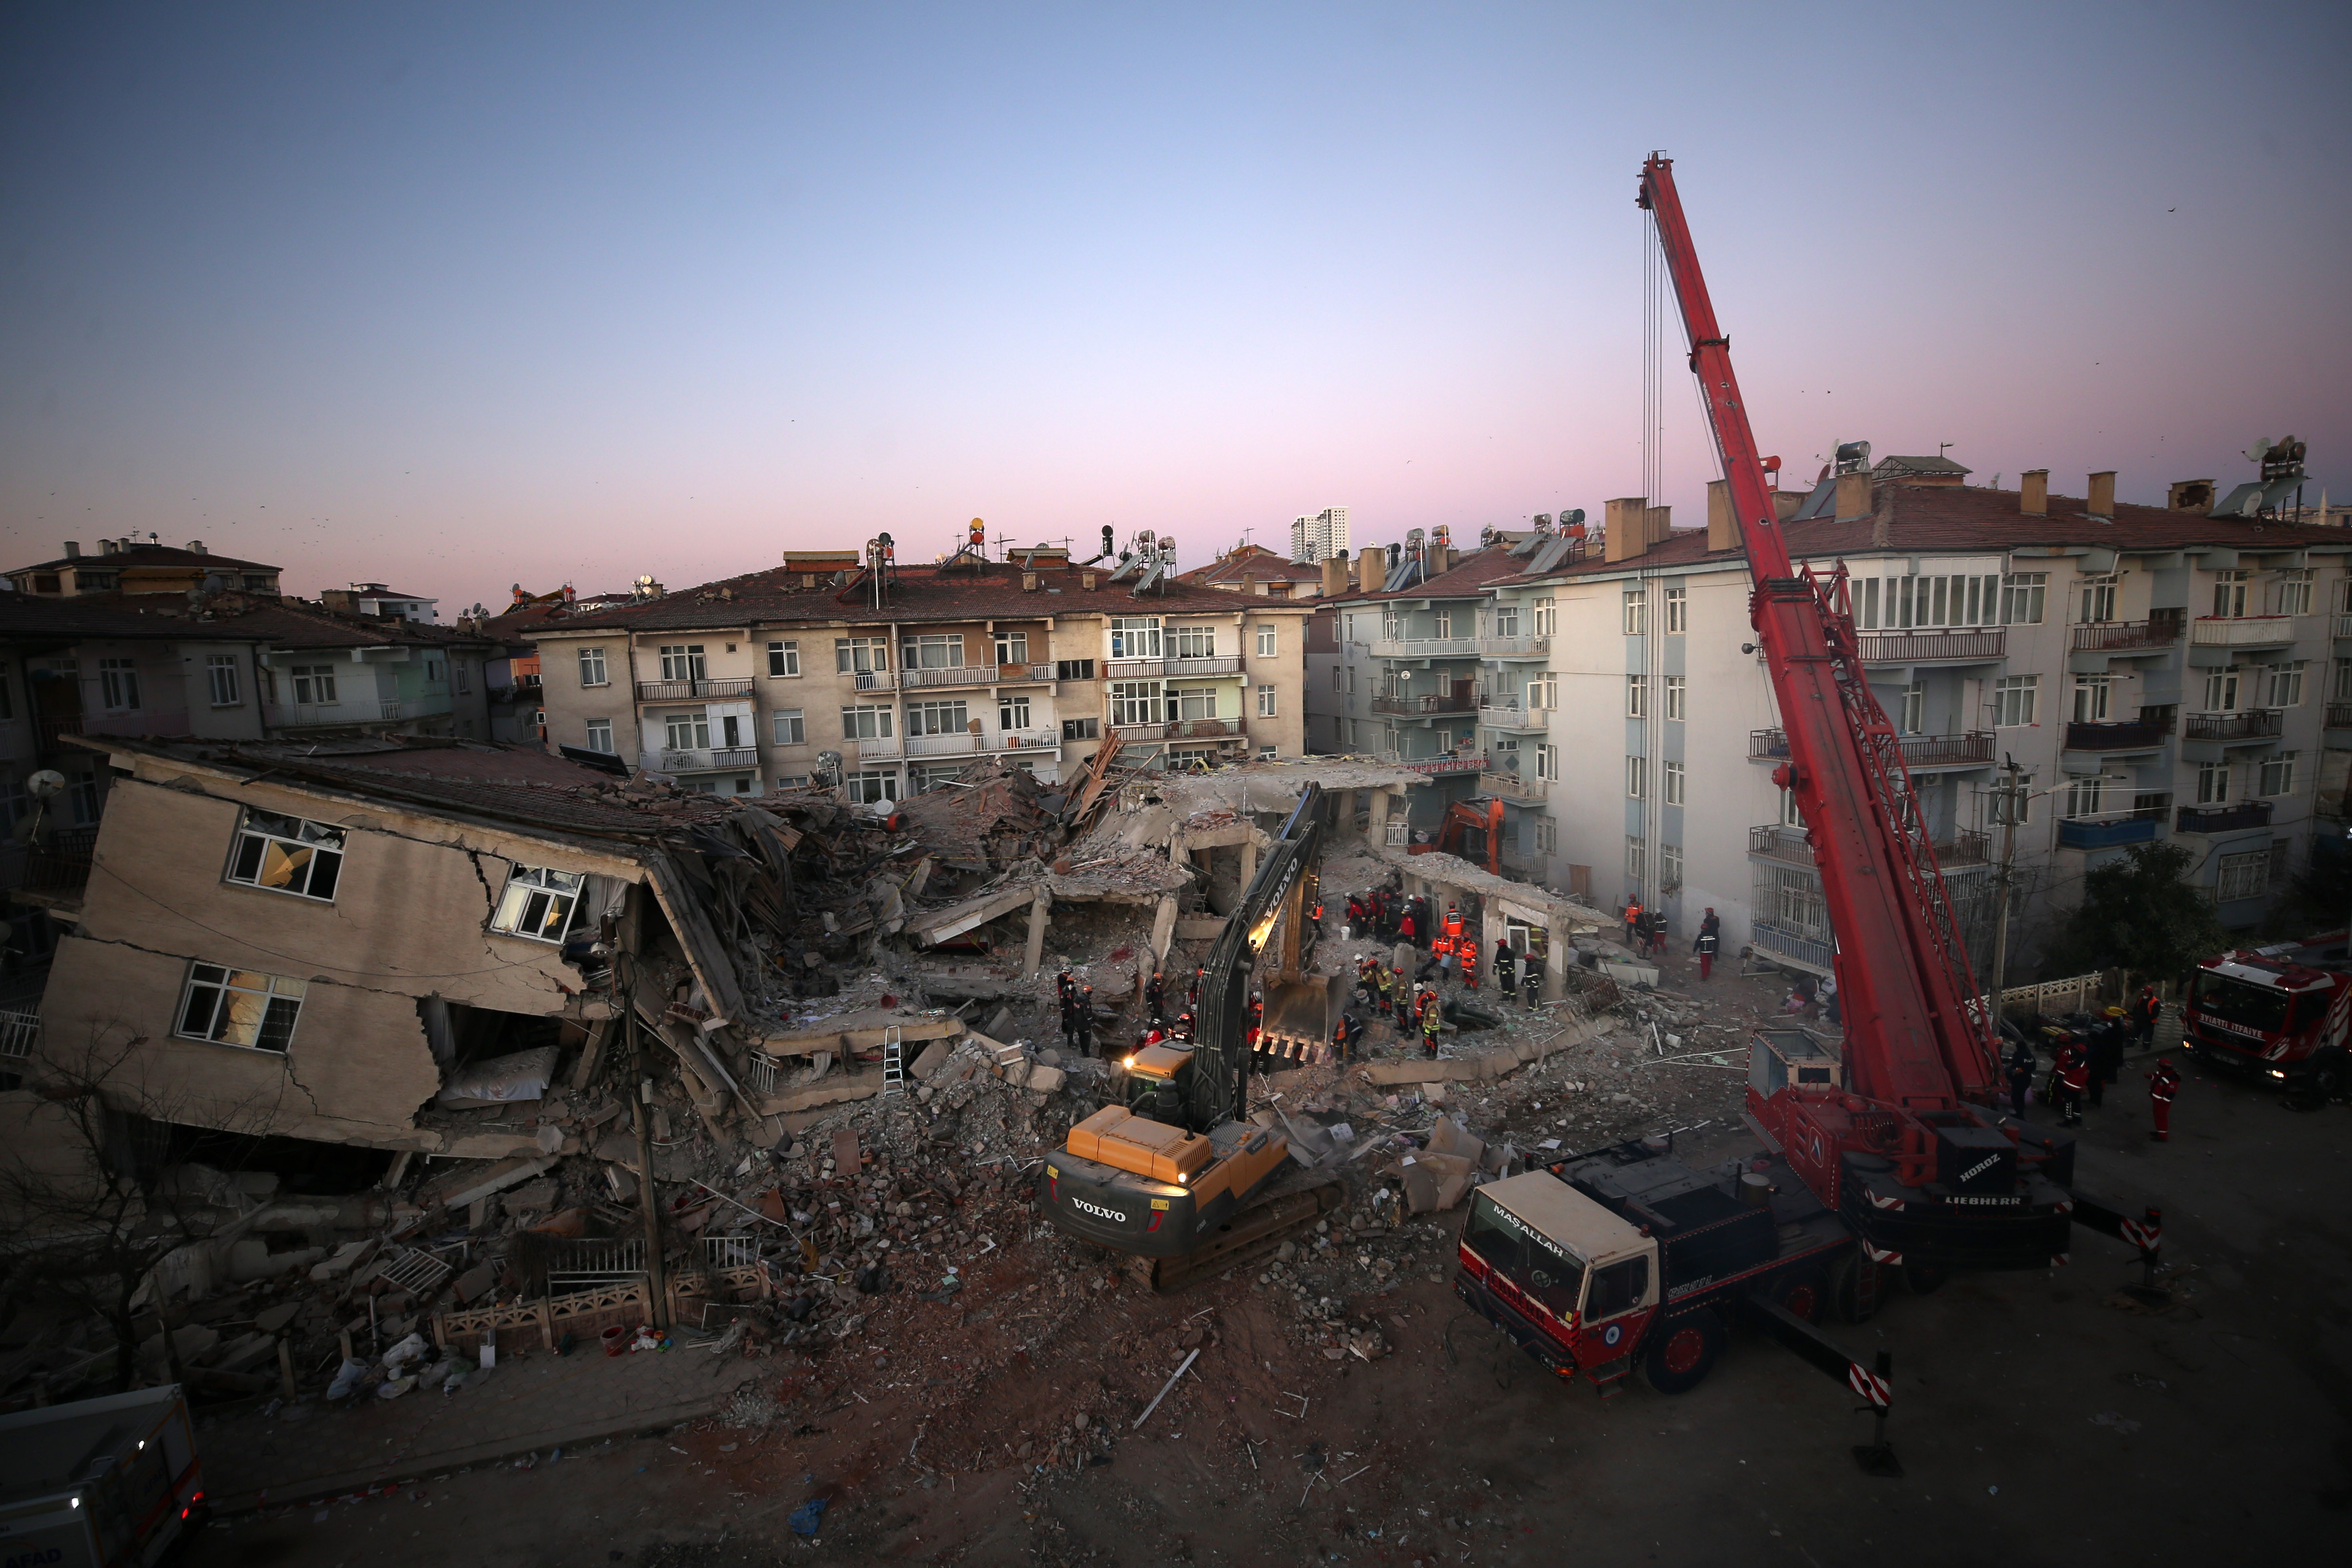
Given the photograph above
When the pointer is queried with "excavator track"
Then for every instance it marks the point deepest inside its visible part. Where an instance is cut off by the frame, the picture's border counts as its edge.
(1252, 1233)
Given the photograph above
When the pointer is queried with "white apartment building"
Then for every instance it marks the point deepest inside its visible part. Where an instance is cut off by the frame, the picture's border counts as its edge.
(2156, 673)
(741, 686)
(1320, 536)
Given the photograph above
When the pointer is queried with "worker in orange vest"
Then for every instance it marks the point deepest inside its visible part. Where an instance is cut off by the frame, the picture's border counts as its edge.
(1470, 963)
(1633, 924)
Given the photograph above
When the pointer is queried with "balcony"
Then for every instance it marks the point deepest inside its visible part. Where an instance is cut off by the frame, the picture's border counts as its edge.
(880, 749)
(1443, 764)
(1513, 647)
(1171, 669)
(1511, 716)
(719, 759)
(2224, 819)
(2247, 726)
(1028, 739)
(1809, 953)
(61, 863)
(1424, 647)
(1791, 845)
(355, 711)
(51, 727)
(952, 743)
(1023, 674)
(948, 675)
(689, 690)
(1513, 786)
(1428, 705)
(1978, 645)
(1179, 729)
(872, 680)
(2242, 630)
(1972, 748)
(2344, 628)
(2108, 832)
(2121, 736)
(2126, 636)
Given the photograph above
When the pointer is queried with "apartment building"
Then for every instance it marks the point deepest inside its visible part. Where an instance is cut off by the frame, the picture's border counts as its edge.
(2154, 673)
(1318, 538)
(134, 566)
(1256, 571)
(909, 673)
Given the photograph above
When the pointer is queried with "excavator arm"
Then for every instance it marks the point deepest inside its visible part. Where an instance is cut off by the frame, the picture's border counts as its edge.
(1282, 885)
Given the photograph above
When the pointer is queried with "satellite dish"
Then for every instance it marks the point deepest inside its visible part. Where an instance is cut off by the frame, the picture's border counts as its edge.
(48, 781)
(2255, 453)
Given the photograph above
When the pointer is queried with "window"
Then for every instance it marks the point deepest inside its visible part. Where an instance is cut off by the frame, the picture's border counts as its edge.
(16, 805)
(541, 904)
(1443, 622)
(931, 651)
(683, 662)
(1547, 617)
(600, 735)
(1548, 685)
(1265, 702)
(84, 798)
(1637, 611)
(945, 717)
(1195, 642)
(1507, 620)
(1637, 778)
(1135, 636)
(591, 668)
(314, 684)
(2013, 699)
(1074, 669)
(1547, 836)
(1135, 702)
(2022, 594)
(1082, 729)
(860, 655)
(1191, 702)
(688, 730)
(118, 684)
(2292, 594)
(1013, 711)
(2097, 601)
(791, 728)
(1637, 697)
(2084, 796)
(2339, 688)
(867, 787)
(435, 672)
(1669, 868)
(1013, 647)
(1352, 680)
(1914, 720)
(920, 777)
(865, 722)
(257, 582)
(1902, 603)
(791, 780)
(2278, 775)
(1266, 642)
(2246, 874)
(48, 583)
(783, 659)
(1678, 609)
(2091, 694)
(2283, 683)
(1335, 678)
(240, 1007)
(287, 854)
(1547, 761)
(2213, 783)
(1676, 690)
(1637, 861)
(220, 682)
(1673, 780)
(2222, 691)
(2229, 593)
(462, 674)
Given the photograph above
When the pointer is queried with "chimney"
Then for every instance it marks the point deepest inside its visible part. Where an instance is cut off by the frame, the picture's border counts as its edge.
(2101, 503)
(195, 547)
(1028, 582)
(2033, 492)
(1625, 537)
(1852, 496)
(1086, 581)
(1787, 504)
(1335, 576)
(1882, 519)
(1249, 584)
(1722, 523)
(1657, 522)
(1370, 574)
(73, 550)
(2186, 496)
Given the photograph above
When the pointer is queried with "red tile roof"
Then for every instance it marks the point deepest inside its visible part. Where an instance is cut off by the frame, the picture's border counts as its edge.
(1254, 561)
(139, 555)
(1467, 579)
(257, 618)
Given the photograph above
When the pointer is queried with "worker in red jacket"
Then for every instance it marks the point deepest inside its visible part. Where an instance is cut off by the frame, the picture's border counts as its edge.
(2147, 1011)
(2162, 1085)
(2074, 1083)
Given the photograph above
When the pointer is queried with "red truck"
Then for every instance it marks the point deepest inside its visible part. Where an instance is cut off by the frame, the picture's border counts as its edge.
(2282, 1012)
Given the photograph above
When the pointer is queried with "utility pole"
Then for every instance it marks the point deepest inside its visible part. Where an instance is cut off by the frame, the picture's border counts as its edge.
(2006, 810)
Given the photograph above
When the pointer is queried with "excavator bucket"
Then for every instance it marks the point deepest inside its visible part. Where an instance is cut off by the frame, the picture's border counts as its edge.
(1300, 1016)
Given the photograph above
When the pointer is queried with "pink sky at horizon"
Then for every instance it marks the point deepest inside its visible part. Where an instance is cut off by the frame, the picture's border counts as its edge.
(454, 298)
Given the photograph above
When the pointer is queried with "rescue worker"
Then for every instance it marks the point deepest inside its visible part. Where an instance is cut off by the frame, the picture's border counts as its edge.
(1257, 1013)
(1184, 1031)
(1384, 915)
(2019, 1076)
(1706, 944)
(1066, 985)
(2074, 1083)
(1468, 954)
(1069, 1019)
(1384, 982)
(1531, 985)
(1710, 924)
(1355, 915)
(1155, 998)
(1367, 989)
(2162, 1085)
(1633, 924)
(1406, 928)
(1192, 987)
(1314, 917)
(1507, 970)
(2147, 1010)
(1343, 1038)
(1431, 1023)
(1084, 1004)
(2106, 1054)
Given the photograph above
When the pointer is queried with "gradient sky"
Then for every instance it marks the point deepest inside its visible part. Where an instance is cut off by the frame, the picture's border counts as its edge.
(458, 297)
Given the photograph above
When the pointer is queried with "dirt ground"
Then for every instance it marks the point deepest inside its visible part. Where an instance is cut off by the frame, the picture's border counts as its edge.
(1344, 1407)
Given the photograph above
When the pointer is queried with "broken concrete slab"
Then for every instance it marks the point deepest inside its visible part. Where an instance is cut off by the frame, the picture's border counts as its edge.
(345, 1258)
(836, 1089)
(1047, 1080)
(1395, 1072)
(467, 1187)
(934, 1056)
(860, 1030)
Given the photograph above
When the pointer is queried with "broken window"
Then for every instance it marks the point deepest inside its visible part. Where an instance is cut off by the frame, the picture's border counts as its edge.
(240, 1007)
(288, 854)
(539, 902)
(314, 684)
(1082, 729)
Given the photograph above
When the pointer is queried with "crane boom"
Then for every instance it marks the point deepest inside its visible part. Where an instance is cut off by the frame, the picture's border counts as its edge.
(1919, 1054)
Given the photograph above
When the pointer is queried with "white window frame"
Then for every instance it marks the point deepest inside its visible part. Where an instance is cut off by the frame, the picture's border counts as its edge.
(2229, 593)
(685, 662)
(2282, 684)
(931, 651)
(1637, 697)
(687, 729)
(861, 656)
(866, 721)
(2224, 688)
(271, 1006)
(1136, 637)
(865, 787)
(291, 852)
(314, 685)
(1635, 609)
(789, 725)
(1673, 778)
(940, 716)
(1913, 717)
(1677, 697)
(2243, 873)
(220, 681)
(600, 730)
(1547, 617)
(541, 904)
(784, 660)
(1268, 642)
(1011, 647)
(1548, 761)
(1678, 609)
(592, 671)
(2095, 601)
(2094, 698)
(2214, 783)
(1143, 703)
(118, 684)
(1637, 860)
(2024, 596)
(2015, 701)
(2277, 777)
(1265, 702)
(1637, 777)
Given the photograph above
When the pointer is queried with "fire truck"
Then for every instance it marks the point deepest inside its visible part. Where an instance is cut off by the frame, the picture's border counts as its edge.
(2281, 1012)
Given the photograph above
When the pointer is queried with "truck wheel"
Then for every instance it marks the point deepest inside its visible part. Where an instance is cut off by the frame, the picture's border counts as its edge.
(1854, 1284)
(1922, 1281)
(1684, 1352)
(1801, 1296)
(2329, 1079)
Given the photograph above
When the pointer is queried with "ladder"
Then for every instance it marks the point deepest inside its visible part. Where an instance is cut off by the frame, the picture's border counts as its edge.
(894, 1063)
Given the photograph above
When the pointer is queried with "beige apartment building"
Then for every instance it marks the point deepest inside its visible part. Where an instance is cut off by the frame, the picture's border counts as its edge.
(912, 674)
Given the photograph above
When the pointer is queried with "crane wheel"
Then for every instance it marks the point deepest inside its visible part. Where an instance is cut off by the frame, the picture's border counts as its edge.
(1921, 1279)
(1684, 1352)
(1802, 1295)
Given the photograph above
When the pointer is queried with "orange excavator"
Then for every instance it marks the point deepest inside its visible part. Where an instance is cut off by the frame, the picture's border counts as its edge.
(1484, 816)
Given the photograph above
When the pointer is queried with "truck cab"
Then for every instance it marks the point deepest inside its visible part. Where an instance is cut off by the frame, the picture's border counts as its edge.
(2281, 1012)
(1572, 1284)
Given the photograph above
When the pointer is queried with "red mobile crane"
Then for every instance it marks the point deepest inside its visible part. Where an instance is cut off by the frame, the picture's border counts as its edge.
(1907, 1149)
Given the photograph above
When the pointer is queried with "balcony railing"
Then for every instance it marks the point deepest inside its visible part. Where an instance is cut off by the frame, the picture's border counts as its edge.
(952, 743)
(2250, 724)
(1511, 716)
(1443, 763)
(51, 727)
(1424, 647)
(2127, 735)
(880, 749)
(1174, 669)
(1979, 644)
(1023, 674)
(2224, 819)
(1027, 739)
(686, 691)
(2241, 630)
(1433, 703)
(1806, 951)
(1179, 729)
(2120, 636)
(355, 711)
(2106, 832)
(1513, 647)
(707, 759)
(20, 1032)
(1514, 785)
(872, 680)
(61, 862)
(948, 675)
(2339, 716)
(1972, 748)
